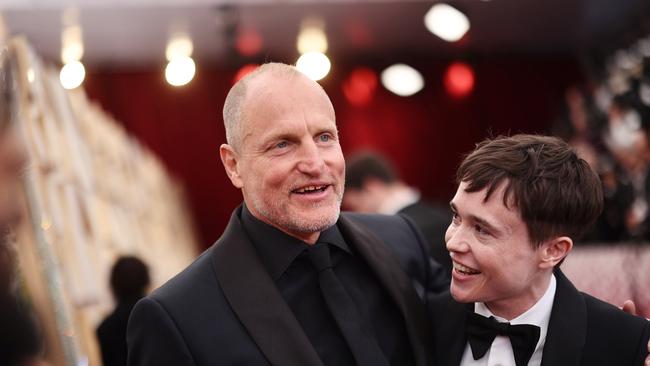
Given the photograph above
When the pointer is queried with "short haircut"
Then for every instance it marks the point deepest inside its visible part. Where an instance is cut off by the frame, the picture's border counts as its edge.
(233, 106)
(129, 278)
(368, 165)
(556, 192)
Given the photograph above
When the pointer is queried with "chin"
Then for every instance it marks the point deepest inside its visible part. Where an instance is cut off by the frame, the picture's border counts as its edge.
(317, 221)
(461, 295)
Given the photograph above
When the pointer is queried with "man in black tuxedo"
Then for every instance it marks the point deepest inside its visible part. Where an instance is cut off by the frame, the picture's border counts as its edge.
(520, 203)
(291, 281)
(372, 185)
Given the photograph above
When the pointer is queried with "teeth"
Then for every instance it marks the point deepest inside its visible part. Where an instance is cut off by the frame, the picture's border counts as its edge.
(309, 189)
(463, 269)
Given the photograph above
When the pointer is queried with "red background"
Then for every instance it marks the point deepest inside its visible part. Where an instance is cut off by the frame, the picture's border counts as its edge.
(425, 134)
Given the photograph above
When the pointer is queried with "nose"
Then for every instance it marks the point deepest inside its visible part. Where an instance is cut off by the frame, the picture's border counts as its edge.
(311, 159)
(455, 239)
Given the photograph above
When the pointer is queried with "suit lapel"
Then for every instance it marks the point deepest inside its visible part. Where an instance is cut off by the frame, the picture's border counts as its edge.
(458, 343)
(567, 327)
(395, 281)
(255, 299)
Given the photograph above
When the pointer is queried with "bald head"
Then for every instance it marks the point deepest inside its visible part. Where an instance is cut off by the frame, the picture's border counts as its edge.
(264, 77)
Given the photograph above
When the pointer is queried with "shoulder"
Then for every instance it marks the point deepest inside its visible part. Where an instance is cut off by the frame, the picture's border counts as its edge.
(605, 316)
(442, 308)
(397, 232)
(195, 285)
(385, 226)
(611, 329)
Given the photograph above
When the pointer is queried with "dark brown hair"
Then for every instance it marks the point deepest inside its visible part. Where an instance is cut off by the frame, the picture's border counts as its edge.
(556, 192)
(368, 165)
(129, 278)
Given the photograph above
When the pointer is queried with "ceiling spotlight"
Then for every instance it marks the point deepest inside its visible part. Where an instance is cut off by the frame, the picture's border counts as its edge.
(402, 80)
(180, 71)
(312, 36)
(72, 74)
(179, 45)
(315, 65)
(72, 47)
(446, 22)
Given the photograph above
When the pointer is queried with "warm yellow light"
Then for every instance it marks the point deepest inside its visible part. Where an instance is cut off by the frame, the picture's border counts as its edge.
(315, 65)
(30, 75)
(312, 39)
(72, 75)
(312, 36)
(180, 45)
(72, 48)
(180, 71)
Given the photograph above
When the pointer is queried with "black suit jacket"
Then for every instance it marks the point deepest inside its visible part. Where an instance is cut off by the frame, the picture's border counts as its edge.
(582, 330)
(433, 221)
(111, 334)
(225, 309)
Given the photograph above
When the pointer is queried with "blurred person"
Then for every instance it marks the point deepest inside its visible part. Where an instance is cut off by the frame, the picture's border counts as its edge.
(291, 281)
(129, 282)
(627, 142)
(618, 196)
(520, 204)
(373, 186)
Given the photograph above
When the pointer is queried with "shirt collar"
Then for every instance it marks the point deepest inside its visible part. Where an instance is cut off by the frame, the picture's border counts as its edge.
(279, 249)
(539, 314)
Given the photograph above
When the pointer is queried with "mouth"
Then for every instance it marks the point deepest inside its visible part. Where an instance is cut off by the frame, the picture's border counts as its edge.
(313, 189)
(465, 270)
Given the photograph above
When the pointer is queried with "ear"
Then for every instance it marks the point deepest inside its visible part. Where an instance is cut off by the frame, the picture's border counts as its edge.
(554, 251)
(230, 160)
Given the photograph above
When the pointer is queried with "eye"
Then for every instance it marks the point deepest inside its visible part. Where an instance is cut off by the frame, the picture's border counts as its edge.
(281, 145)
(481, 230)
(455, 218)
(324, 137)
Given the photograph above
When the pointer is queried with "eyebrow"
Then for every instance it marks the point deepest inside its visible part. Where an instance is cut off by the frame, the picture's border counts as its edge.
(477, 219)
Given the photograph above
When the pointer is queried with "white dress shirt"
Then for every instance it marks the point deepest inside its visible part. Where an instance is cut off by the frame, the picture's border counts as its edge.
(500, 353)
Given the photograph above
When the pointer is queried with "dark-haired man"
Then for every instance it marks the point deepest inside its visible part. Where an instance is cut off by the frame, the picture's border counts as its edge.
(520, 203)
(372, 185)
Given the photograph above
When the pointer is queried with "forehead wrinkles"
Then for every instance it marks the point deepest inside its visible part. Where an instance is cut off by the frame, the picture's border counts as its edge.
(256, 98)
(273, 97)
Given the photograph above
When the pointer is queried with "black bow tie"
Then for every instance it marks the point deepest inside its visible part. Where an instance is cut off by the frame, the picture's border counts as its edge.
(481, 331)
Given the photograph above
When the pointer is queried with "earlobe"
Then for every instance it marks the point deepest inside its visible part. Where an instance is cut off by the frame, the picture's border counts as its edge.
(229, 159)
(554, 251)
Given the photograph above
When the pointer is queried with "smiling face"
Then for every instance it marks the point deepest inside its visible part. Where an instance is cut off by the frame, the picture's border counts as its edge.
(289, 166)
(493, 257)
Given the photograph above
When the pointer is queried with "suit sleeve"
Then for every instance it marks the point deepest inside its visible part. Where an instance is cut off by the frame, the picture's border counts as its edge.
(153, 339)
(434, 276)
(642, 348)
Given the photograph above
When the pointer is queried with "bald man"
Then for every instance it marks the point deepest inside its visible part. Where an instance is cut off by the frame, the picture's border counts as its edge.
(291, 281)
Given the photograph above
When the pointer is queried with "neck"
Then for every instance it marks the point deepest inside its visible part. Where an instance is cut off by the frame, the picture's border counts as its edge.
(512, 307)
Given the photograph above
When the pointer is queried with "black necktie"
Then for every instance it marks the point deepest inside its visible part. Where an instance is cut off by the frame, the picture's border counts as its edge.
(481, 331)
(363, 345)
